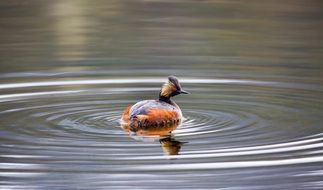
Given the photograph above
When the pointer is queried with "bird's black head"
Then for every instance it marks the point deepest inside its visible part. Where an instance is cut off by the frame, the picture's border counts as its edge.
(171, 88)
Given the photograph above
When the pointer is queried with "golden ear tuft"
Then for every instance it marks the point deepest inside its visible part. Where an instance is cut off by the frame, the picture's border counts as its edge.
(167, 89)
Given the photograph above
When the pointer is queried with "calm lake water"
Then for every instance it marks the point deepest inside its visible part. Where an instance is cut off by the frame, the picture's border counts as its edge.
(253, 120)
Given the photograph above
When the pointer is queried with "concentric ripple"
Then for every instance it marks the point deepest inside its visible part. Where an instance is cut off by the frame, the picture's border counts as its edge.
(263, 127)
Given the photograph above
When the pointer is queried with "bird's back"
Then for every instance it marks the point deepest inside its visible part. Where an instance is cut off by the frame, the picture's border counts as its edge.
(145, 106)
(153, 112)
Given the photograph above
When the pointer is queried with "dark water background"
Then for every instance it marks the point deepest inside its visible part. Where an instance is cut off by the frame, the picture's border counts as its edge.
(253, 119)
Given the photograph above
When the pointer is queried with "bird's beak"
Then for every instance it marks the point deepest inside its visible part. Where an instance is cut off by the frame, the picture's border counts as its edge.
(183, 92)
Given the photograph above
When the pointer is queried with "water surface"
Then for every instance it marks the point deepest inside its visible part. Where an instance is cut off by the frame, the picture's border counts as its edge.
(253, 119)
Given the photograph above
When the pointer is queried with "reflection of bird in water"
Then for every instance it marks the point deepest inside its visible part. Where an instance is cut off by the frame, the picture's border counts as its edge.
(168, 143)
(170, 146)
(159, 115)
(150, 131)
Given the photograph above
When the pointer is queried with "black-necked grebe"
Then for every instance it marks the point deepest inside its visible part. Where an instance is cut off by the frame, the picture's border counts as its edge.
(156, 113)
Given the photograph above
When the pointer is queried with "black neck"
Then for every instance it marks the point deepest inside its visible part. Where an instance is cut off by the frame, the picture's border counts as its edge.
(165, 99)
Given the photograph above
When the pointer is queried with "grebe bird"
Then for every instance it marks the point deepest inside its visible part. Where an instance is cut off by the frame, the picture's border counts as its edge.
(156, 115)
